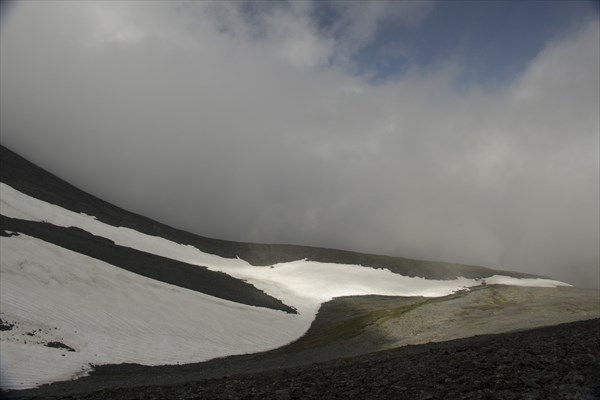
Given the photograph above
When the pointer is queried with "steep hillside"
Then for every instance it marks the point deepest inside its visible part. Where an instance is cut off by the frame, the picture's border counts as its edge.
(38, 183)
(87, 286)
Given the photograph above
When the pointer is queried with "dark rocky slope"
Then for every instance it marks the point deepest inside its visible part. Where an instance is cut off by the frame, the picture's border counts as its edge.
(558, 362)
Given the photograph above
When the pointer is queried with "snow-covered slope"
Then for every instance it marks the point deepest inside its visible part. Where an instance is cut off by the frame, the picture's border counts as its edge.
(109, 315)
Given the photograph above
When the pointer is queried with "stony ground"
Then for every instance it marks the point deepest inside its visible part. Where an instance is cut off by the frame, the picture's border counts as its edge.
(559, 362)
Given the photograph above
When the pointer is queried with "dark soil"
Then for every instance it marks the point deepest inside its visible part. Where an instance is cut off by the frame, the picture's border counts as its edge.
(558, 362)
(59, 345)
(5, 325)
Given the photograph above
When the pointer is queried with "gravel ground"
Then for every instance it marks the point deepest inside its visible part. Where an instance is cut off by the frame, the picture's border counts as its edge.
(558, 362)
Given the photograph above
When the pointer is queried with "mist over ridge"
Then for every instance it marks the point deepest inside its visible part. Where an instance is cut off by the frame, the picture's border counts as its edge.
(268, 125)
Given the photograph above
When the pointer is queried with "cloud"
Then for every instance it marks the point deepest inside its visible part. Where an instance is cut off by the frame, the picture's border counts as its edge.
(244, 122)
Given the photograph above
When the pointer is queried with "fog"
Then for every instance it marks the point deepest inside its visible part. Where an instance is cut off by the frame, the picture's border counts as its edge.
(255, 122)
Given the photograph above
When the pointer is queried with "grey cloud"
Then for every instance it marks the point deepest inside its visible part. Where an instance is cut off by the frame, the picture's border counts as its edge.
(162, 111)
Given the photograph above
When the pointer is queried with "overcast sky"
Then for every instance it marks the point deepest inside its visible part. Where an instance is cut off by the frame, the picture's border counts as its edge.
(463, 132)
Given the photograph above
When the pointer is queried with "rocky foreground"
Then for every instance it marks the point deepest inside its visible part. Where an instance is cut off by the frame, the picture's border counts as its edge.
(558, 362)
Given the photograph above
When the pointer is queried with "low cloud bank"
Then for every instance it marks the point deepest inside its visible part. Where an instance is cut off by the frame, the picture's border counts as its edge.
(254, 125)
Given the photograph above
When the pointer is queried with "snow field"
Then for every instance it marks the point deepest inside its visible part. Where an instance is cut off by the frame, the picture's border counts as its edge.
(109, 315)
(299, 284)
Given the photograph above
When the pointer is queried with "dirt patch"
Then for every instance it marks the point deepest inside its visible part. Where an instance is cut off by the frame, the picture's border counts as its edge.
(59, 345)
(5, 325)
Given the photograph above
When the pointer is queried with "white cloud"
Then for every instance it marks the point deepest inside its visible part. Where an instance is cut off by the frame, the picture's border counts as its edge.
(246, 126)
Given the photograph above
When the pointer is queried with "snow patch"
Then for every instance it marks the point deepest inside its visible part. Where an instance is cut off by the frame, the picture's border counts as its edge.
(109, 315)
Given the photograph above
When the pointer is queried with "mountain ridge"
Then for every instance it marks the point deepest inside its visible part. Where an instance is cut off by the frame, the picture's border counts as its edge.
(59, 243)
(33, 180)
